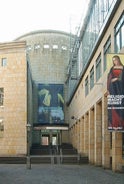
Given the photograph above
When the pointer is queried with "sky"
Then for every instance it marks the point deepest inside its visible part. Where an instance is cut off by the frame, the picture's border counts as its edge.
(18, 17)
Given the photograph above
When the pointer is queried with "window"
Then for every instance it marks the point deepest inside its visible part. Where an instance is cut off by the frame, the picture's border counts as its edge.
(98, 68)
(28, 48)
(96, 21)
(46, 46)
(91, 78)
(1, 128)
(37, 46)
(107, 49)
(1, 96)
(64, 47)
(55, 47)
(86, 87)
(4, 62)
(119, 34)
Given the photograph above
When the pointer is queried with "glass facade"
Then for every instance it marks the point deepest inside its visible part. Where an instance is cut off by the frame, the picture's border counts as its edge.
(91, 78)
(100, 12)
(119, 34)
(86, 87)
(107, 49)
(98, 68)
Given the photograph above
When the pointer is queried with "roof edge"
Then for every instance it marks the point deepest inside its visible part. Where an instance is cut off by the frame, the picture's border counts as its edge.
(43, 31)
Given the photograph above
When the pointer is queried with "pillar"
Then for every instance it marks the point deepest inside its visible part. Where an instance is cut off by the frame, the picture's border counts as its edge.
(82, 136)
(86, 133)
(105, 137)
(91, 136)
(116, 151)
(98, 134)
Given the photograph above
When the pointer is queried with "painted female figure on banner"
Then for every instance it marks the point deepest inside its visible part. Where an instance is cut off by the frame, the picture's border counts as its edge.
(115, 87)
(50, 103)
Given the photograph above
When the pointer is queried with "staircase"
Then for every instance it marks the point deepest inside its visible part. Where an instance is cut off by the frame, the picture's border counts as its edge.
(64, 154)
(13, 160)
(69, 154)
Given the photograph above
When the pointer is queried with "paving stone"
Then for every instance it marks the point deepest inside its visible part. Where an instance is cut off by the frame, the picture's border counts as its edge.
(57, 174)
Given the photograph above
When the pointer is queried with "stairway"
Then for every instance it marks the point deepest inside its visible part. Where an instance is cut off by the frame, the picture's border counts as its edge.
(13, 160)
(64, 154)
(68, 154)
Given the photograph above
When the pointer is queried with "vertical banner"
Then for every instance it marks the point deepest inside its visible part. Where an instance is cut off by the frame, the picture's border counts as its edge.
(50, 104)
(115, 91)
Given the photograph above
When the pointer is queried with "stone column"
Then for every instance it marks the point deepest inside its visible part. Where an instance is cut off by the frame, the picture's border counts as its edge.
(105, 136)
(116, 151)
(82, 136)
(98, 134)
(78, 136)
(86, 133)
(73, 135)
(91, 137)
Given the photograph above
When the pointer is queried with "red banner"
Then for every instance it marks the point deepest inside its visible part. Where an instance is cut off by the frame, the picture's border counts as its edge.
(115, 91)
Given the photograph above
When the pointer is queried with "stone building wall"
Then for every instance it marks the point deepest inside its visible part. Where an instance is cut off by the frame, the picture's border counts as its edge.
(88, 131)
(13, 111)
(49, 53)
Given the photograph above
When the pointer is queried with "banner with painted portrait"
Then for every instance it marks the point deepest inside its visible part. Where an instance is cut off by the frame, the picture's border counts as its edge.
(50, 104)
(115, 92)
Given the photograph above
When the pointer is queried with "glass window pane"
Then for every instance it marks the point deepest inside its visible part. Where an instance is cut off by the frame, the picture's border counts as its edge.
(86, 87)
(122, 33)
(4, 62)
(1, 96)
(117, 43)
(98, 68)
(92, 78)
(107, 49)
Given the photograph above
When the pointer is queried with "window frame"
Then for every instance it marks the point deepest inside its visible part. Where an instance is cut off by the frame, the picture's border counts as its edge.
(86, 86)
(118, 34)
(92, 78)
(98, 67)
(4, 62)
(107, 49)
(1, 96)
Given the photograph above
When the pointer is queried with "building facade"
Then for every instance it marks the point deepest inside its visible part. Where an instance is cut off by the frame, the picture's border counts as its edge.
(48, 52)
(13, 99)
(57, 82)
(101, 34)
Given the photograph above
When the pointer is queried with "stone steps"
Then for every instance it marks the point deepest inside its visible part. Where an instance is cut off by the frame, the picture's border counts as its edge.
(65, 154)
(46, 159)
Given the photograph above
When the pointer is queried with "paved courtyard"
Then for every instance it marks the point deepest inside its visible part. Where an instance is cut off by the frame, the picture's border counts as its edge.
(57, 174)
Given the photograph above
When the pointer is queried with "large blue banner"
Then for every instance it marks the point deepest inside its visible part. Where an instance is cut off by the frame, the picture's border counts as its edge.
(50, 104)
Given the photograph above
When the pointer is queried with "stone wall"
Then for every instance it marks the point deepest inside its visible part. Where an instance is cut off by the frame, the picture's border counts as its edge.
(88, 131)
(13, 112)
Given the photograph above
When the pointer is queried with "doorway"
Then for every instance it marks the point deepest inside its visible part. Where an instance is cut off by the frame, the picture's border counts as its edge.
(54, 140)
(45, 140)
(50, 138)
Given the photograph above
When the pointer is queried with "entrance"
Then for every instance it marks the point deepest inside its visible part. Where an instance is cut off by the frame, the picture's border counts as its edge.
(51, 137)
(45, 140)
(54, 140)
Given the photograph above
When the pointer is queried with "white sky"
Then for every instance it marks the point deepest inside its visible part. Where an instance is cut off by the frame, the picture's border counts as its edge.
(18, 17)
